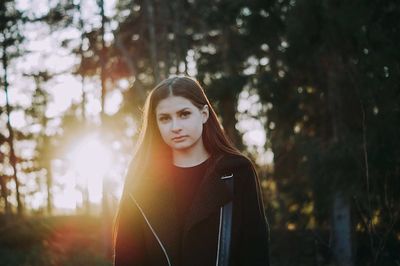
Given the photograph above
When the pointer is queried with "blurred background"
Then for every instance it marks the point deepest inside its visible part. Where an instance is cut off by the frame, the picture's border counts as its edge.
(309, 89)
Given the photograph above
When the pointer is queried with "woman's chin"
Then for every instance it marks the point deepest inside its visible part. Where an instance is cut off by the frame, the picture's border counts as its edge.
(181, 146)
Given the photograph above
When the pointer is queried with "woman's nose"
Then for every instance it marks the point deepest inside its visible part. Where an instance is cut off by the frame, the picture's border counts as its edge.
(176, 125)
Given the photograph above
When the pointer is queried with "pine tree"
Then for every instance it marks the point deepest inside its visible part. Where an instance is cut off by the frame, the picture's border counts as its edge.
(10, 24)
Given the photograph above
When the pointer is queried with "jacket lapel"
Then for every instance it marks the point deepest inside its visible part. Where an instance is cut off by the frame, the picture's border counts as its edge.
(157, 200)
(212, 194)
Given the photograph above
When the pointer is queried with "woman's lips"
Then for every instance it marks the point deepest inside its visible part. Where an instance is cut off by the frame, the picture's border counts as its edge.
(180, 138)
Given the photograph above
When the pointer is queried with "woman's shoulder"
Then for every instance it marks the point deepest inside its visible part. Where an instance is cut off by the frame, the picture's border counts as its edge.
(236, 161)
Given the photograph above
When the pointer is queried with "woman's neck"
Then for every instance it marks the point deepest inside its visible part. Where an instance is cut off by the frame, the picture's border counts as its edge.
(188, 158)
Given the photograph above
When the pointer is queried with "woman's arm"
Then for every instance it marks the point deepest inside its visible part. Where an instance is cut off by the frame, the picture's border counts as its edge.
(254, 232)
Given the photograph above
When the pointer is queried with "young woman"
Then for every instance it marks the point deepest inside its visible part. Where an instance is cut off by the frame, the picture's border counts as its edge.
(190, 198)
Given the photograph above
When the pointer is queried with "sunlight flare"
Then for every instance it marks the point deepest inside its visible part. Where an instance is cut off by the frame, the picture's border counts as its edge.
(90, 159)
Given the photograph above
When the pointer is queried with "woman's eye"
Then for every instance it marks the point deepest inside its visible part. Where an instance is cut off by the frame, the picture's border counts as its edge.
(185, 114)
(163, 119)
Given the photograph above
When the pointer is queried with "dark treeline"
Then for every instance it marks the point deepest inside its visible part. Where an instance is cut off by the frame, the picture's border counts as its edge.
(325, 76)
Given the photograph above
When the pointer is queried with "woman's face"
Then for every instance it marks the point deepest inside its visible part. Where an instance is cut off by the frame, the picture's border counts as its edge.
(180, 122)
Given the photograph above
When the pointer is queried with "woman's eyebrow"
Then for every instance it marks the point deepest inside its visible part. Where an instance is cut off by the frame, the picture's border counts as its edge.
(179, 111)
(182, 110)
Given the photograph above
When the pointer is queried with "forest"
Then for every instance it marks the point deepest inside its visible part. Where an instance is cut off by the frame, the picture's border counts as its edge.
(310, 90)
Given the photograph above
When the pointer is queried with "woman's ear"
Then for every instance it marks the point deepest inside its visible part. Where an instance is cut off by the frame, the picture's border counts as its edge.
(205, 112)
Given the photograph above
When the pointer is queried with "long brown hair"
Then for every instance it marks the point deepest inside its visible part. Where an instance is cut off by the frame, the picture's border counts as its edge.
(151, 149)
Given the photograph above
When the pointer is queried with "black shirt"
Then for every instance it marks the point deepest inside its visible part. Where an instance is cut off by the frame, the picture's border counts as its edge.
(186, 182)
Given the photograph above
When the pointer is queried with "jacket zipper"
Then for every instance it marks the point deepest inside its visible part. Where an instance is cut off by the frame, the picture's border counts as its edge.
(220, 223)
(152, 230)
(219, 235)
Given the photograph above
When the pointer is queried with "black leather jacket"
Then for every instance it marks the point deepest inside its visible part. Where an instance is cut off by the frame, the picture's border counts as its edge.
(147, 233)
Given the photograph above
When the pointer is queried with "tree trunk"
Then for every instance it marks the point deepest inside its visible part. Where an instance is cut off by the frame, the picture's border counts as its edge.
(152, 38)
(105, 209)
(179, 41)
(10, 139)
(49, 174)
(341, 221)
(341, 210)
(229, 103)
(4, 193)
(102, 58)
(228, 110)
(164, 46)
(49, 184)
(47, 166)
(43, 141)
(81, 28)
(85, 190)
